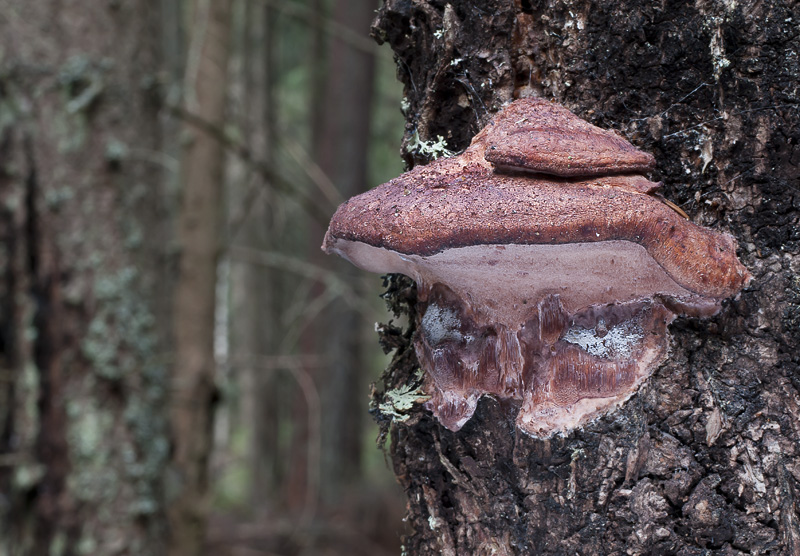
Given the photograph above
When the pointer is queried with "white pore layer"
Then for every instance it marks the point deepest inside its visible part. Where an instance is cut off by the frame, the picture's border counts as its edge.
(619, 341)
(504, 281)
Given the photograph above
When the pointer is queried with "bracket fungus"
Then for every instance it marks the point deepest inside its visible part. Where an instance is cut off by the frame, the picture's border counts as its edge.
(547, 272)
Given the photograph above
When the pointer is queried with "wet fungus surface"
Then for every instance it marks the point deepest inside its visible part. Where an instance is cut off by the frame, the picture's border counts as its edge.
(547, 273)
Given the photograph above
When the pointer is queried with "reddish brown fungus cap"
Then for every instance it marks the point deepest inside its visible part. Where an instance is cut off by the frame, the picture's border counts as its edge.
(542, 137)
(465, 201)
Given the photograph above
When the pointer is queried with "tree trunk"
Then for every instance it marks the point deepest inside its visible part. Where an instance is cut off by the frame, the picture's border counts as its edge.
(341, 141)
(83, 231)
(704, 458)
(193, 381)
(255, 329)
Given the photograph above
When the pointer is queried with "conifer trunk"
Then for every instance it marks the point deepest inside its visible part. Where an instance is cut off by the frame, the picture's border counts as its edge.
(84, 287)
(193, 379)
(704, 458)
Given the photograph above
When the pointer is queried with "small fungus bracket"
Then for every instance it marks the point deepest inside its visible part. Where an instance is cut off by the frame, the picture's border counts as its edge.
(539, 136)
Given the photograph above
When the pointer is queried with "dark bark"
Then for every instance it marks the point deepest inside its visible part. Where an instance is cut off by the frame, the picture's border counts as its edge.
(703, 459)
(83, 225)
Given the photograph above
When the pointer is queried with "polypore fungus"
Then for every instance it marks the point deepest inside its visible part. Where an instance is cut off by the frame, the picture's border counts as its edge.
(546, 271)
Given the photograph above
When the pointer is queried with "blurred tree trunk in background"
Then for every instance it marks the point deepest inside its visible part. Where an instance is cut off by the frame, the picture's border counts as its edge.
(342, 98)
(272, 300)
(193, 385)
(704, 459)
(268, 461)
(253, 320)
(84, 285)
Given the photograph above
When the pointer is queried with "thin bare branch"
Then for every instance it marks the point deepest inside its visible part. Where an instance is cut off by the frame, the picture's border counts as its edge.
(341, 32)
(314, 406)
(301, 267)
(317, 175)
(260, 167)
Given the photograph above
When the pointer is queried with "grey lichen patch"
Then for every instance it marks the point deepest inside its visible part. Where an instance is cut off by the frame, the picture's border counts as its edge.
(89, 427)
(71, 129)
(28, 390)
(121, 347)
(100, 347)
(56, 198)
(26, 476)
(82, 82)
(87, 544)
(121, 331)
(146, 466)
(58, 545)
(116, 151)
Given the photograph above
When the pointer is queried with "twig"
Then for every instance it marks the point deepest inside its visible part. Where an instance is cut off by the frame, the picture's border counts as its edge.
(195, 51)
(288, 263)
(343, 33)
(245, 154)
(317, 175)
(12, 460)
(311, 396)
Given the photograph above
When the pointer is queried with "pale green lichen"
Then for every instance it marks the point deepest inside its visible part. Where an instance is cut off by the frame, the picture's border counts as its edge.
(116, 151)
(115, 388)
(430, 149)
(89, 427)
(58, 546)
(400, 401)
(87, 544)
(82, 81)
(121, 331)
(56, 198)
(27, 475)
(121, 345)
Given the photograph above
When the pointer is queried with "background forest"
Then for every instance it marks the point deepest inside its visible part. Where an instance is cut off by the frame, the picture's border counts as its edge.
(318, 104)
(167, 171)
(183, 372)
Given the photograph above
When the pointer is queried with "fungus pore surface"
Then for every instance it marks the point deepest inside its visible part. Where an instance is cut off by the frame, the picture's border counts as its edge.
(547, 273)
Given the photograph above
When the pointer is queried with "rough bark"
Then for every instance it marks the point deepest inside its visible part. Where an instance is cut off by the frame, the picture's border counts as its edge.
(83, 230)
(703, 459)
(193, 380)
